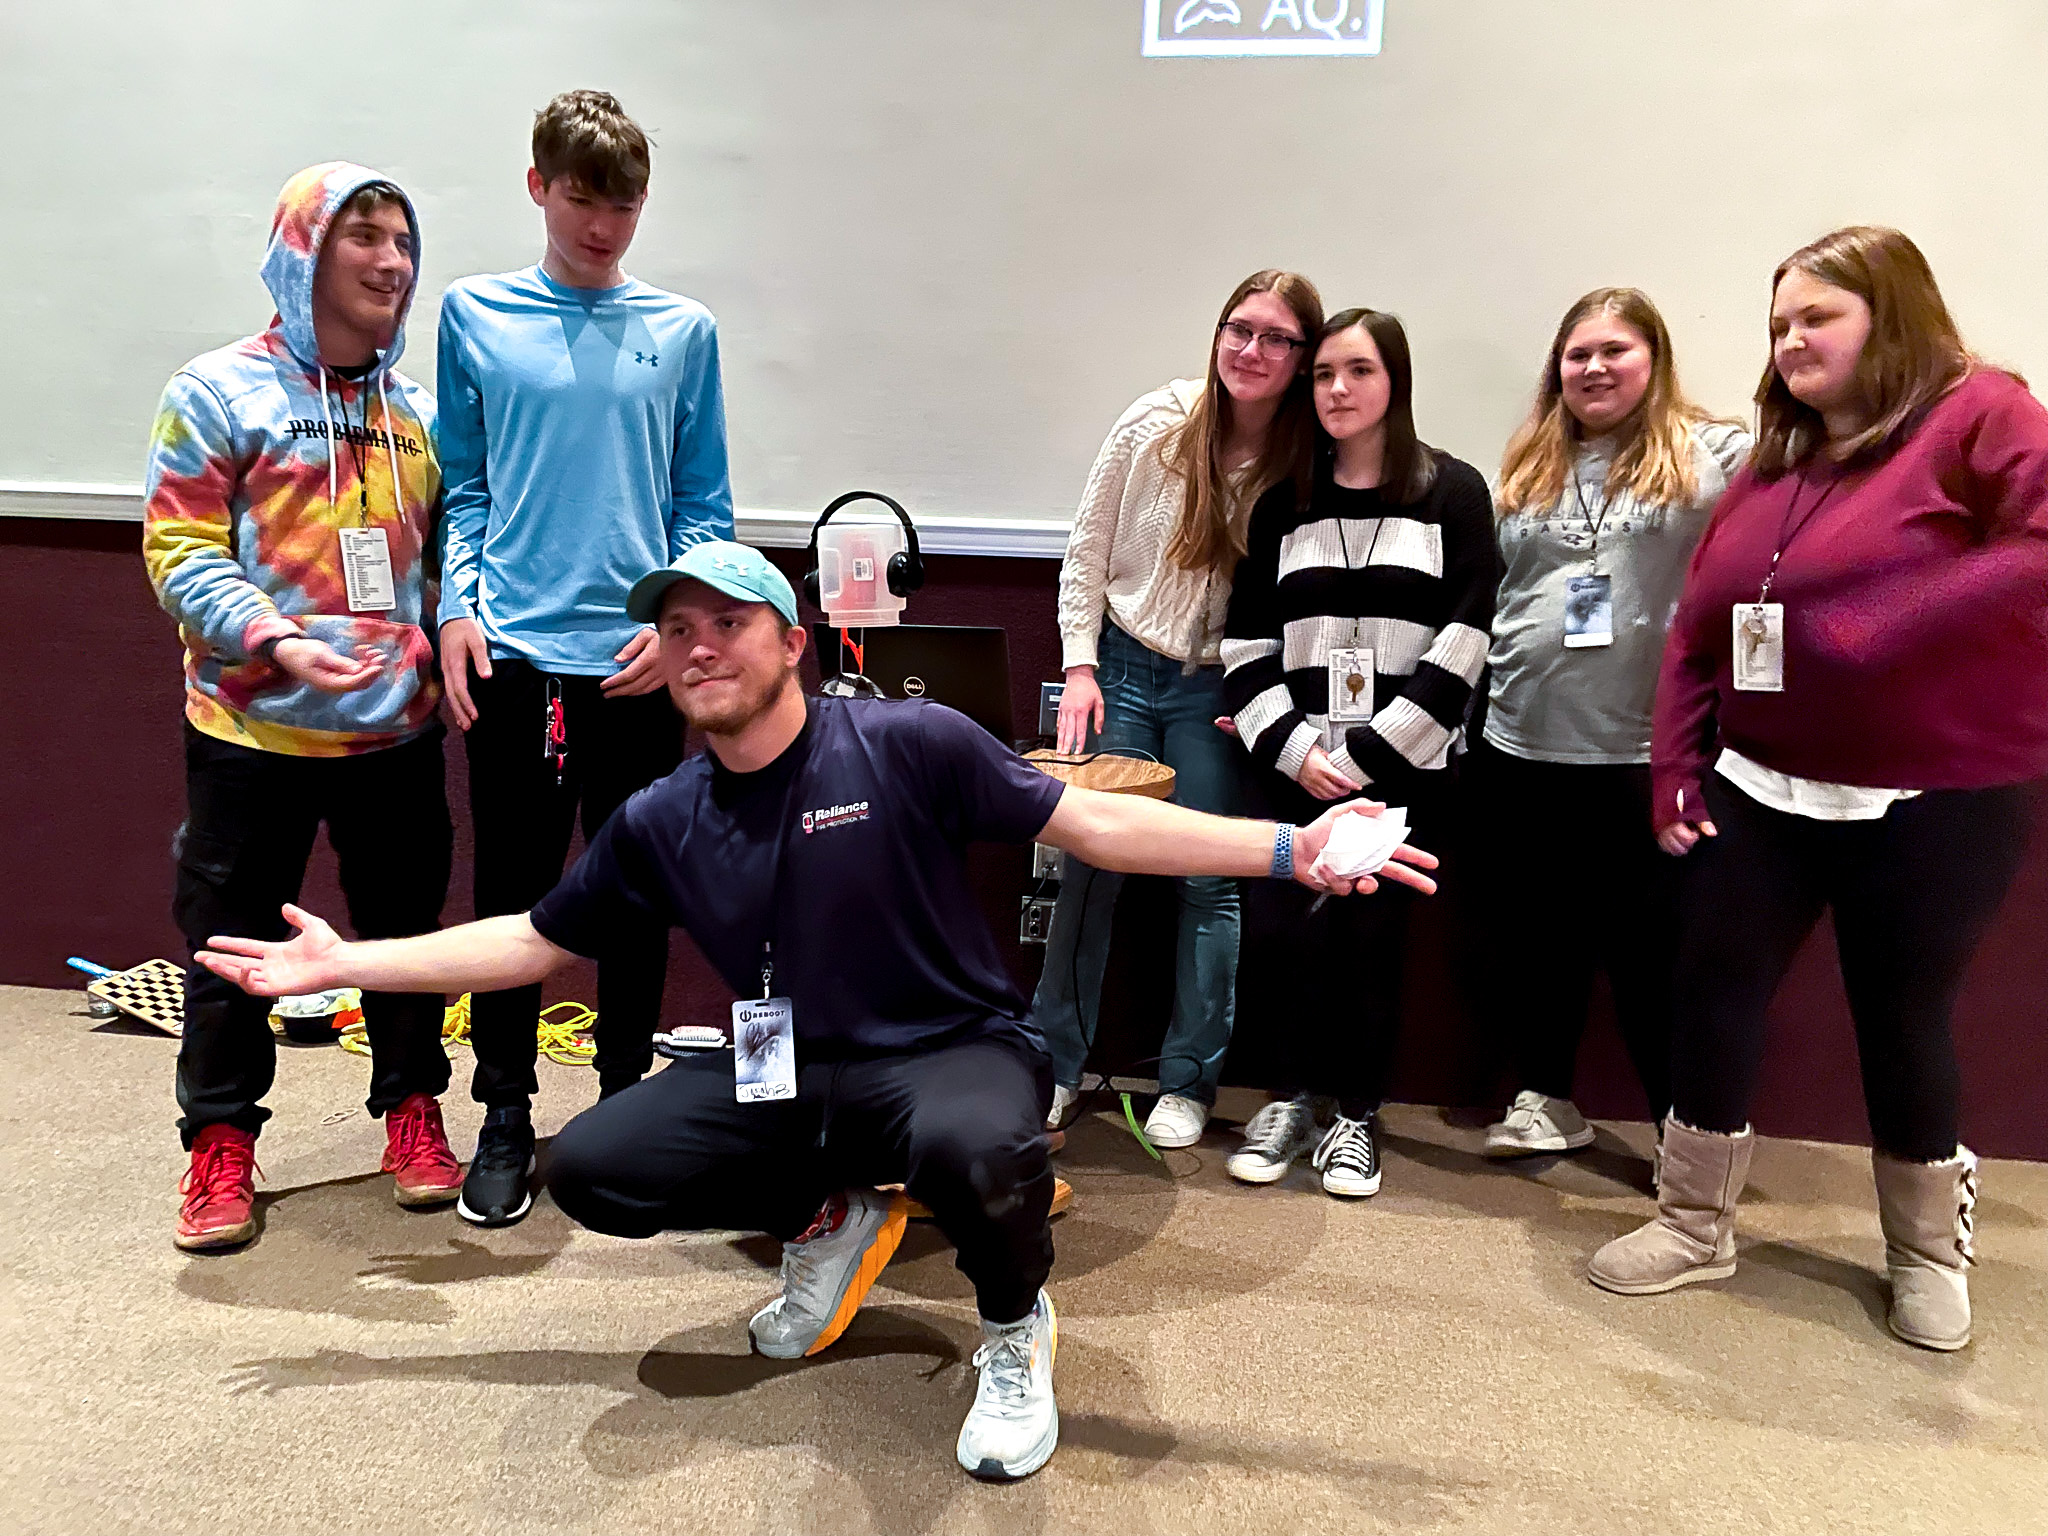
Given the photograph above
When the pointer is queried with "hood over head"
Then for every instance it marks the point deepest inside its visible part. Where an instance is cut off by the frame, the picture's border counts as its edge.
(305, 212)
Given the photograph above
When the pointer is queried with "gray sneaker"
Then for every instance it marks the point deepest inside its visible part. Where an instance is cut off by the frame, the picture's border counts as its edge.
(1014, 1424)
(1536, 1123)
(828, 1271)
(1273, 1139)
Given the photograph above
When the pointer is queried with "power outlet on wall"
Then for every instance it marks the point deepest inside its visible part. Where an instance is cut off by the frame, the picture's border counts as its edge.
(1045, 862)
(1035, 927)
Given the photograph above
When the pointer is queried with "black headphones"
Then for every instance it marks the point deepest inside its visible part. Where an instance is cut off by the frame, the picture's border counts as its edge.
(906, 566)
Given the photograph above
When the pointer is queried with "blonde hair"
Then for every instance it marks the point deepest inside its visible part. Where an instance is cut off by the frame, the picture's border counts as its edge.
(1656, 463)
(1208, 537)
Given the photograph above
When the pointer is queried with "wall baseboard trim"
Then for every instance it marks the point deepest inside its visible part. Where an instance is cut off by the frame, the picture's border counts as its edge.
(1033, 538)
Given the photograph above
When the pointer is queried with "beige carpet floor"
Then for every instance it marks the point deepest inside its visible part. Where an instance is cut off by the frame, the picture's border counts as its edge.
(1231, 1360)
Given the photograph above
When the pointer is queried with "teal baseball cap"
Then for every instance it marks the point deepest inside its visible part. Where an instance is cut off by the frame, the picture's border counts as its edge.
(734, 569)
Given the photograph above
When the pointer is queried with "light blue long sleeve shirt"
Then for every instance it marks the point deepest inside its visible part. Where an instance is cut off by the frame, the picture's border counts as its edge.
(582, 436)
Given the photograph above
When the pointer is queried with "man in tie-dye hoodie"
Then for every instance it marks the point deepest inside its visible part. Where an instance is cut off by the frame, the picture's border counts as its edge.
(292, 491)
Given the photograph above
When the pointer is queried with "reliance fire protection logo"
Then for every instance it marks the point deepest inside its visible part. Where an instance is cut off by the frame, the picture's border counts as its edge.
(835, 816)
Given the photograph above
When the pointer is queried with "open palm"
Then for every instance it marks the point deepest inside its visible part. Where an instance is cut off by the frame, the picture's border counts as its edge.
(308, 962)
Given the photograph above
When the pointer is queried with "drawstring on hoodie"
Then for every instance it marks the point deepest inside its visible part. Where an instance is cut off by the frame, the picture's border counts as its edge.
(390, 444)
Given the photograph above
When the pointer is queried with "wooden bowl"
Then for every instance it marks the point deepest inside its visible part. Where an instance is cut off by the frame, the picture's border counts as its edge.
(1112, 775)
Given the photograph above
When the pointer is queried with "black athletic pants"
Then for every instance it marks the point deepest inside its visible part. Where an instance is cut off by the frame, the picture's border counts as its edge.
(242, 853)
(962, 1128)
(1912, 894)
(523, 821)
(1327, 987)
(1566, 879)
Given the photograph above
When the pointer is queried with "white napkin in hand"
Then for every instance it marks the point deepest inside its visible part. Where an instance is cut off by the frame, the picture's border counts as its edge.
(1361, 843)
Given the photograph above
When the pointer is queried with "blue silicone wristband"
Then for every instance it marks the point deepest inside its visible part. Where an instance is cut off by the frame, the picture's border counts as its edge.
(1283, 852)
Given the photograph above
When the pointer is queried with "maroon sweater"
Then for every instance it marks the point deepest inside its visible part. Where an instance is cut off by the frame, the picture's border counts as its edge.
(1916, 614)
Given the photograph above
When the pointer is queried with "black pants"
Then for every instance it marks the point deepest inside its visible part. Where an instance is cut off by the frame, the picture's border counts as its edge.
(524, 821)
(242, 855)
(1912, 894)
(1566, 879)
(1326, 988)
(961, 1127)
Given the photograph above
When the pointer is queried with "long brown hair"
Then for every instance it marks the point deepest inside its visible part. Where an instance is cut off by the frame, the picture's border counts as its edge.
(1914, 356)
(1656, 465)
(1209, 536)
(1407, 464)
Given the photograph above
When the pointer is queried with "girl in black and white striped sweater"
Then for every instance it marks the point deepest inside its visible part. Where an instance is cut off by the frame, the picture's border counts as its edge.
(1356, 634)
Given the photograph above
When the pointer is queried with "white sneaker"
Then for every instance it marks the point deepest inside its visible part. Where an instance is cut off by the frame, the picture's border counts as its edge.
(1349, 1158)
(827, 1272)
(1176, 1121)
(1014, 1424)
(1536, 1123)
(1273, 1139)
(1063, 1101)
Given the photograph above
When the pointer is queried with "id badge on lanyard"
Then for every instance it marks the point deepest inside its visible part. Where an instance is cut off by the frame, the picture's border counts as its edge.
(764, 1028)
(1759, 647)
(1588, 611)
(366, 569)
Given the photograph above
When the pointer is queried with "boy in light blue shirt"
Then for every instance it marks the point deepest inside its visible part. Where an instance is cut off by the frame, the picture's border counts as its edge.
(582, 444)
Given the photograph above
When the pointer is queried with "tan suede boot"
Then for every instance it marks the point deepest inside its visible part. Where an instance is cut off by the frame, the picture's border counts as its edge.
(1693, 1237)
(1929, 1214)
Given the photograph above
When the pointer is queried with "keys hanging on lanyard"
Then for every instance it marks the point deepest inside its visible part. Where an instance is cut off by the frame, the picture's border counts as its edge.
(1759, 627)
(556, 745)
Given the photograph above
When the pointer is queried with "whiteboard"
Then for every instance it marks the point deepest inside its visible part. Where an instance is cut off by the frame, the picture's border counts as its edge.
(948, 240)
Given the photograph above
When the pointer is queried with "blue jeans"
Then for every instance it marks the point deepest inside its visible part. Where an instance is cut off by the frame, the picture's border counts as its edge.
(1149, 706)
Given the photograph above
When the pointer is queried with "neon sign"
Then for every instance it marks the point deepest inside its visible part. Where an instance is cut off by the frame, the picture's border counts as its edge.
(1233, 29)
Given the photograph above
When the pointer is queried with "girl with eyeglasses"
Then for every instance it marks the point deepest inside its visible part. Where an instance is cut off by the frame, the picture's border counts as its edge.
(1852, 712)
(1355, 637)
(1147, 575)
(1603, 493)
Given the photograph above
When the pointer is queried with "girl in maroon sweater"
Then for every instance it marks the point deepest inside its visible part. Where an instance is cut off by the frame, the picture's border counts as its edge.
(1853, 699)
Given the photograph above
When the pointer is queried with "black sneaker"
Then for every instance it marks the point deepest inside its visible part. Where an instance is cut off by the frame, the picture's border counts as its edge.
(1349, 1158)
(499, 1188)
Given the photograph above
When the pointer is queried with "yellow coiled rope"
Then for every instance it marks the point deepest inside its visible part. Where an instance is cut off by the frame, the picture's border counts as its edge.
(564, 1032)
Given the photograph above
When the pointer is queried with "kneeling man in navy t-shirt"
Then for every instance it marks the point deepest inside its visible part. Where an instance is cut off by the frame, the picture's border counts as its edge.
(817, 853)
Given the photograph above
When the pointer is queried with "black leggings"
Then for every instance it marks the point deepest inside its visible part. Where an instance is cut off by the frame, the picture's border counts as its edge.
(962, 1128)
(1566, 880)
(1324, 991)
(1912, 894)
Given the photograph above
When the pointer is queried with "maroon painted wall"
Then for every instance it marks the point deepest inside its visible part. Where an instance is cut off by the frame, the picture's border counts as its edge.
(91, 782)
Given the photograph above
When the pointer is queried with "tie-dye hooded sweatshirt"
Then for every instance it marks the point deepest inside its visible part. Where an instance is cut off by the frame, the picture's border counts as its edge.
(253, 474)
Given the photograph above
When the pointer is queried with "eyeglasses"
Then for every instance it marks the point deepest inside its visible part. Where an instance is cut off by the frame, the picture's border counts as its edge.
(1237, 336)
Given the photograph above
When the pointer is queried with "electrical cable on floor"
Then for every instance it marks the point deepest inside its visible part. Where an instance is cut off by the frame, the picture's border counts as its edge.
(562, 1032)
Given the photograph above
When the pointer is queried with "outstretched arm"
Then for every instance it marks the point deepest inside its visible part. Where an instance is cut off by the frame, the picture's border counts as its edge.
(485, 956)
(1137, 836)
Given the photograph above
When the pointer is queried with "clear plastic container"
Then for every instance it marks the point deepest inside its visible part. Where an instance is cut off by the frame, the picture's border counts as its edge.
(853, 572)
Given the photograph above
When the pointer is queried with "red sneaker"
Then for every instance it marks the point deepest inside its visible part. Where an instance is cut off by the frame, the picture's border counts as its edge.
(416, 1151)
(219, 1190)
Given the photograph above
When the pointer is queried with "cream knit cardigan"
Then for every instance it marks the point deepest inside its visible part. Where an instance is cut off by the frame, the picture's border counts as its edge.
(1115, 555)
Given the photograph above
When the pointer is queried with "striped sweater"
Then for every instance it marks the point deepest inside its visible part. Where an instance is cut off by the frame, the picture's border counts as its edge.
(1412, 584)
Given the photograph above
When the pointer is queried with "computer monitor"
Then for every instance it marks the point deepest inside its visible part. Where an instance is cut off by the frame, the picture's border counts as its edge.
(963, 666)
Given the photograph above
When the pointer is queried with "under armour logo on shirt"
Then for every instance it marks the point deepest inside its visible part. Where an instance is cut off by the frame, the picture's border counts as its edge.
(651, 359)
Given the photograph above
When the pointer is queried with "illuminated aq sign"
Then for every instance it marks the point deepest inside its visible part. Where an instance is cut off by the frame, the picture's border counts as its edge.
(1228, 29)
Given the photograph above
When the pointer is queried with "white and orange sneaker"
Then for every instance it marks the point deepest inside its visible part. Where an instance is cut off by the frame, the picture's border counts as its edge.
(1014, 1425)
(828, 1271)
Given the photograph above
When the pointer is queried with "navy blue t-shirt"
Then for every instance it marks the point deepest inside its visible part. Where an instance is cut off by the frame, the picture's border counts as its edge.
(879, 940)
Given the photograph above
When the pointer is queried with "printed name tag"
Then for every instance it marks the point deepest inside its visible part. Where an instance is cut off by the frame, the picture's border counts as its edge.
(1588, 611)
(1760, 647)
(763, 1050)
(366, 568)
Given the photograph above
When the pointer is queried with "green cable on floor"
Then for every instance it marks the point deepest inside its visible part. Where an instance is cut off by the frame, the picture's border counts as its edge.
(1131, 1120)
